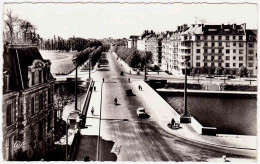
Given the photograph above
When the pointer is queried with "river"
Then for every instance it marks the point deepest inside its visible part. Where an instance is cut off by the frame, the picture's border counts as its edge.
(231, 115)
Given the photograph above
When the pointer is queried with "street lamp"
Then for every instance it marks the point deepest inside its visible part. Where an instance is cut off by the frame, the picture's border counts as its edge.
(89, 63)
(76, 81)
(67, 139)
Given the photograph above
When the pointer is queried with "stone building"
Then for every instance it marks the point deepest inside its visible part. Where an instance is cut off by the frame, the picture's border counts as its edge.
(206, 47)
(27, 107)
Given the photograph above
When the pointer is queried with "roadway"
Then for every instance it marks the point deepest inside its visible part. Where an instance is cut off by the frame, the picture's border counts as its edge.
(125, 137)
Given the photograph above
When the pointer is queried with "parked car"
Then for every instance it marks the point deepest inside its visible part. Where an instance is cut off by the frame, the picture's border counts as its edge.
(141, 113)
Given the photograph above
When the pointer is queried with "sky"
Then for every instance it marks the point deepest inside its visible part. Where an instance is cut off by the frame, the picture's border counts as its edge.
(92, 20)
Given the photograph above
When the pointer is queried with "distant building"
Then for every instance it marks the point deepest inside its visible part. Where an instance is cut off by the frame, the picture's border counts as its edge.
(132, 41)
(205, 47)
(27, 107)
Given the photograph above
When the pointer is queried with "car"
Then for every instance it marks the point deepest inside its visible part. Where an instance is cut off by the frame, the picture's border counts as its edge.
(141, 113)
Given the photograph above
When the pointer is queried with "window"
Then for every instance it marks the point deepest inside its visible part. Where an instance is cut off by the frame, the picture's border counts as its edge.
(198, 44)
(240, 64)
(219, 37)
(40, 102)
(251, 58)
(205, 37)
(9, 115)
(234, 58)
(234, 51)
(198, 51)
(251, 45)
(220, 64)
(240, 58)
(219, 44)
(227, 37)
(251, 52)
(241, 51)
(212, 64)
(212, 37)
(32, 106)
(227, 51)
(212, 58)
(227, 65)
(227, 57)
(234, 64)
(33, 78)
(205, 50)
(40, 130)
(205, 57)
(228, 44)
(220, 58)
(212, 44)
(49, 96)
(234, 37)
(198, 37)
(241, 44)
(197, 64)
(40, 76)
(250, 64)
(49, 122)
(219, 51)
(205, 64)
(240, 37)
(197, 57)
(205, 44)
(234, 44)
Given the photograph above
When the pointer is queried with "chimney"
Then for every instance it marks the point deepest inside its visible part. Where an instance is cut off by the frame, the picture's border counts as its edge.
(185, 26)
(234, 27)
(178, 28)
(192, 25)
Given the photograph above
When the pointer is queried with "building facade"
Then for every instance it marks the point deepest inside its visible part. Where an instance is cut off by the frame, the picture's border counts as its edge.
(27, 107)
(206, 47)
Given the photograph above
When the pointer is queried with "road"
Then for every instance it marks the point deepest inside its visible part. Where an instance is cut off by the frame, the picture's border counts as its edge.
(125, 137)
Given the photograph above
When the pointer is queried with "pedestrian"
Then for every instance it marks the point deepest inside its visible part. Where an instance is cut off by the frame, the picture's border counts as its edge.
(129, 80)
(139, 87)
(130, 72)
(103, 80)
(92, 111)
(94, 88)
(173, 122)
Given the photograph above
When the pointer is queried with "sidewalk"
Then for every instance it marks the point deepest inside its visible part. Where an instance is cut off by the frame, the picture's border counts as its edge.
(164, 113)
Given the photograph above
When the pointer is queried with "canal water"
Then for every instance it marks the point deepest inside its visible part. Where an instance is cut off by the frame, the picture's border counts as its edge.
(231, 115)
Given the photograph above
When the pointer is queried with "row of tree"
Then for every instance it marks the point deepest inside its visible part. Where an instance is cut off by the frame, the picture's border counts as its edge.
(133, 57)
(93, 50)
(241, 72)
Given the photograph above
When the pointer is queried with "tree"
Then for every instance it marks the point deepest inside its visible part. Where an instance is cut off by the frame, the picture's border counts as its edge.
(10, 22)
(198, 74)
(224, 73)
(193, 72)
(146, 58)
(242, 71)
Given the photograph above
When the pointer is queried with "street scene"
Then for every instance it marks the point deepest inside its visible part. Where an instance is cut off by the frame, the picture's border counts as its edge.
(183, 91)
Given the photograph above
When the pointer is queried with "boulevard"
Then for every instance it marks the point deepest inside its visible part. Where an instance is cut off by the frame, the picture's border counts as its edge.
(125, 136)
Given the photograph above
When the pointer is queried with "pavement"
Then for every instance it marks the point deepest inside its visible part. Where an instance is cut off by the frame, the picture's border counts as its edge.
(164, 113)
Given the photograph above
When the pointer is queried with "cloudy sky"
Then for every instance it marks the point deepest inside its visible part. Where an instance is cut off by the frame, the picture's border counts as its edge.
(90, 20)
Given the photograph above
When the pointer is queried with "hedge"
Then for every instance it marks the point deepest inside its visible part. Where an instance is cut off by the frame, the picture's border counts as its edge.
(238, 87)
(181, 86)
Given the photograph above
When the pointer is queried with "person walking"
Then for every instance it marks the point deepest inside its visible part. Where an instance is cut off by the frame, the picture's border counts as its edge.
(139, 87)
(129, 80)
(95, 88)
(92, 111)
(103, 80)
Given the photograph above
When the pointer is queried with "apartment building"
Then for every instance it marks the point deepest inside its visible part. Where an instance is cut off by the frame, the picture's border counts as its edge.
(205, 47)
(27, 107)
(251, 44)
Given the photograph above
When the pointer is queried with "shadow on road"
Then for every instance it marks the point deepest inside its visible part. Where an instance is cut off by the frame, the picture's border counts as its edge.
(87, 147)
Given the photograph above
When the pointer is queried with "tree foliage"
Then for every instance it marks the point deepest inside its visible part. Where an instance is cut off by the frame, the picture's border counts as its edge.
(134, 58)
(242, 71)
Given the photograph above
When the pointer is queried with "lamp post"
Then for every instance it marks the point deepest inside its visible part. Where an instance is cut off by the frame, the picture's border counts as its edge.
(67, 139)
(185, 91)
(76, 82)
(89, 63)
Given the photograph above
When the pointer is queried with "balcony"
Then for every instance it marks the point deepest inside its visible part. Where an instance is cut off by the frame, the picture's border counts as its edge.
(213, 47)
(184, 53)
